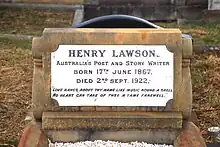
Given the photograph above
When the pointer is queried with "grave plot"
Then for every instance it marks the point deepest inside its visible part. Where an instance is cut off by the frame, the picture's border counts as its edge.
(206, 107)
(202, 102)
(84, 83)
(31, 21)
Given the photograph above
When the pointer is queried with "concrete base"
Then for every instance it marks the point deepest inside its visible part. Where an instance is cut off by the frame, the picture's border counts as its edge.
(189, 136)
(160, 136)
(117, 121)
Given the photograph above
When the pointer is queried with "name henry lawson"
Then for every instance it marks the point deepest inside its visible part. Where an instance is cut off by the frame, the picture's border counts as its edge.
(115, 53)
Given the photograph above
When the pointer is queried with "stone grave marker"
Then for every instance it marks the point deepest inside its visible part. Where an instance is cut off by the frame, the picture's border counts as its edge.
(112, 84)
(214, 5)
(211, 15)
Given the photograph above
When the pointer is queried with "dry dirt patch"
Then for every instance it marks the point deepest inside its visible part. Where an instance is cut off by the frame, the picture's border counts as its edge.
(206, 88)
(206, 34)
(31, 21)
(15, 91)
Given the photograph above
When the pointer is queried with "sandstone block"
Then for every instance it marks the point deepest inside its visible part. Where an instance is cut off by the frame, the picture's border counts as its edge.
(190, 136)
(33, 137)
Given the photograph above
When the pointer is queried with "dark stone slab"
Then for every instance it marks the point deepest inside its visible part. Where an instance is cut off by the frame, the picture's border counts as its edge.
(212, 16)
(149, 12)
(216, 144)
(191, 12)
(197, 2)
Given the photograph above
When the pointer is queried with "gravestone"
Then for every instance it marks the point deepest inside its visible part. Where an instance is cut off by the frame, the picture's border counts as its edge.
(155, 77)
(112, 84)
(214, 5)
(213, 12)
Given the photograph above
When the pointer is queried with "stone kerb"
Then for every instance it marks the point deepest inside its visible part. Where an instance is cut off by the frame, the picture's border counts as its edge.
(43, 46)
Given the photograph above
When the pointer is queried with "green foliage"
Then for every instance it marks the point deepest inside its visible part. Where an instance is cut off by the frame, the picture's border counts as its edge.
(11, 42)
(202, 33)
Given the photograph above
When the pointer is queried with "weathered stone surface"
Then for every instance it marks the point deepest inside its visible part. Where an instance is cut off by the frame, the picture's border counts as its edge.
(148, 11)
(212, 16)
(180, 2)
(46, 1)
(193, 118)
(78, 16)
(121, 109)
(109, 2)
(169, 106)
(126, 2)
(163, 136)
(183, 21)
(196, 2)
(68, 135)
(111, 120)
(214, 144)
(152, 10)
(186, 105)
(87, 109)
(103, 109)
(191, 12)
(64, 120)
(114, 2)
(142, 109)
(190, 136)
(53, 37)
(33, 137)
(40, 97)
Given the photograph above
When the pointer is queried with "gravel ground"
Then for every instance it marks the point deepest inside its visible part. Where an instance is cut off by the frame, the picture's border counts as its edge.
(100, 143)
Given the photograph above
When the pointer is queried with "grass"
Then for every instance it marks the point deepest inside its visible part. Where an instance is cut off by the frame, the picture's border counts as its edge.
(12, 143)
(214, 98)
(205, 74)
(9, 42)
(16, 69)
(31, 21)
(208, 34)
